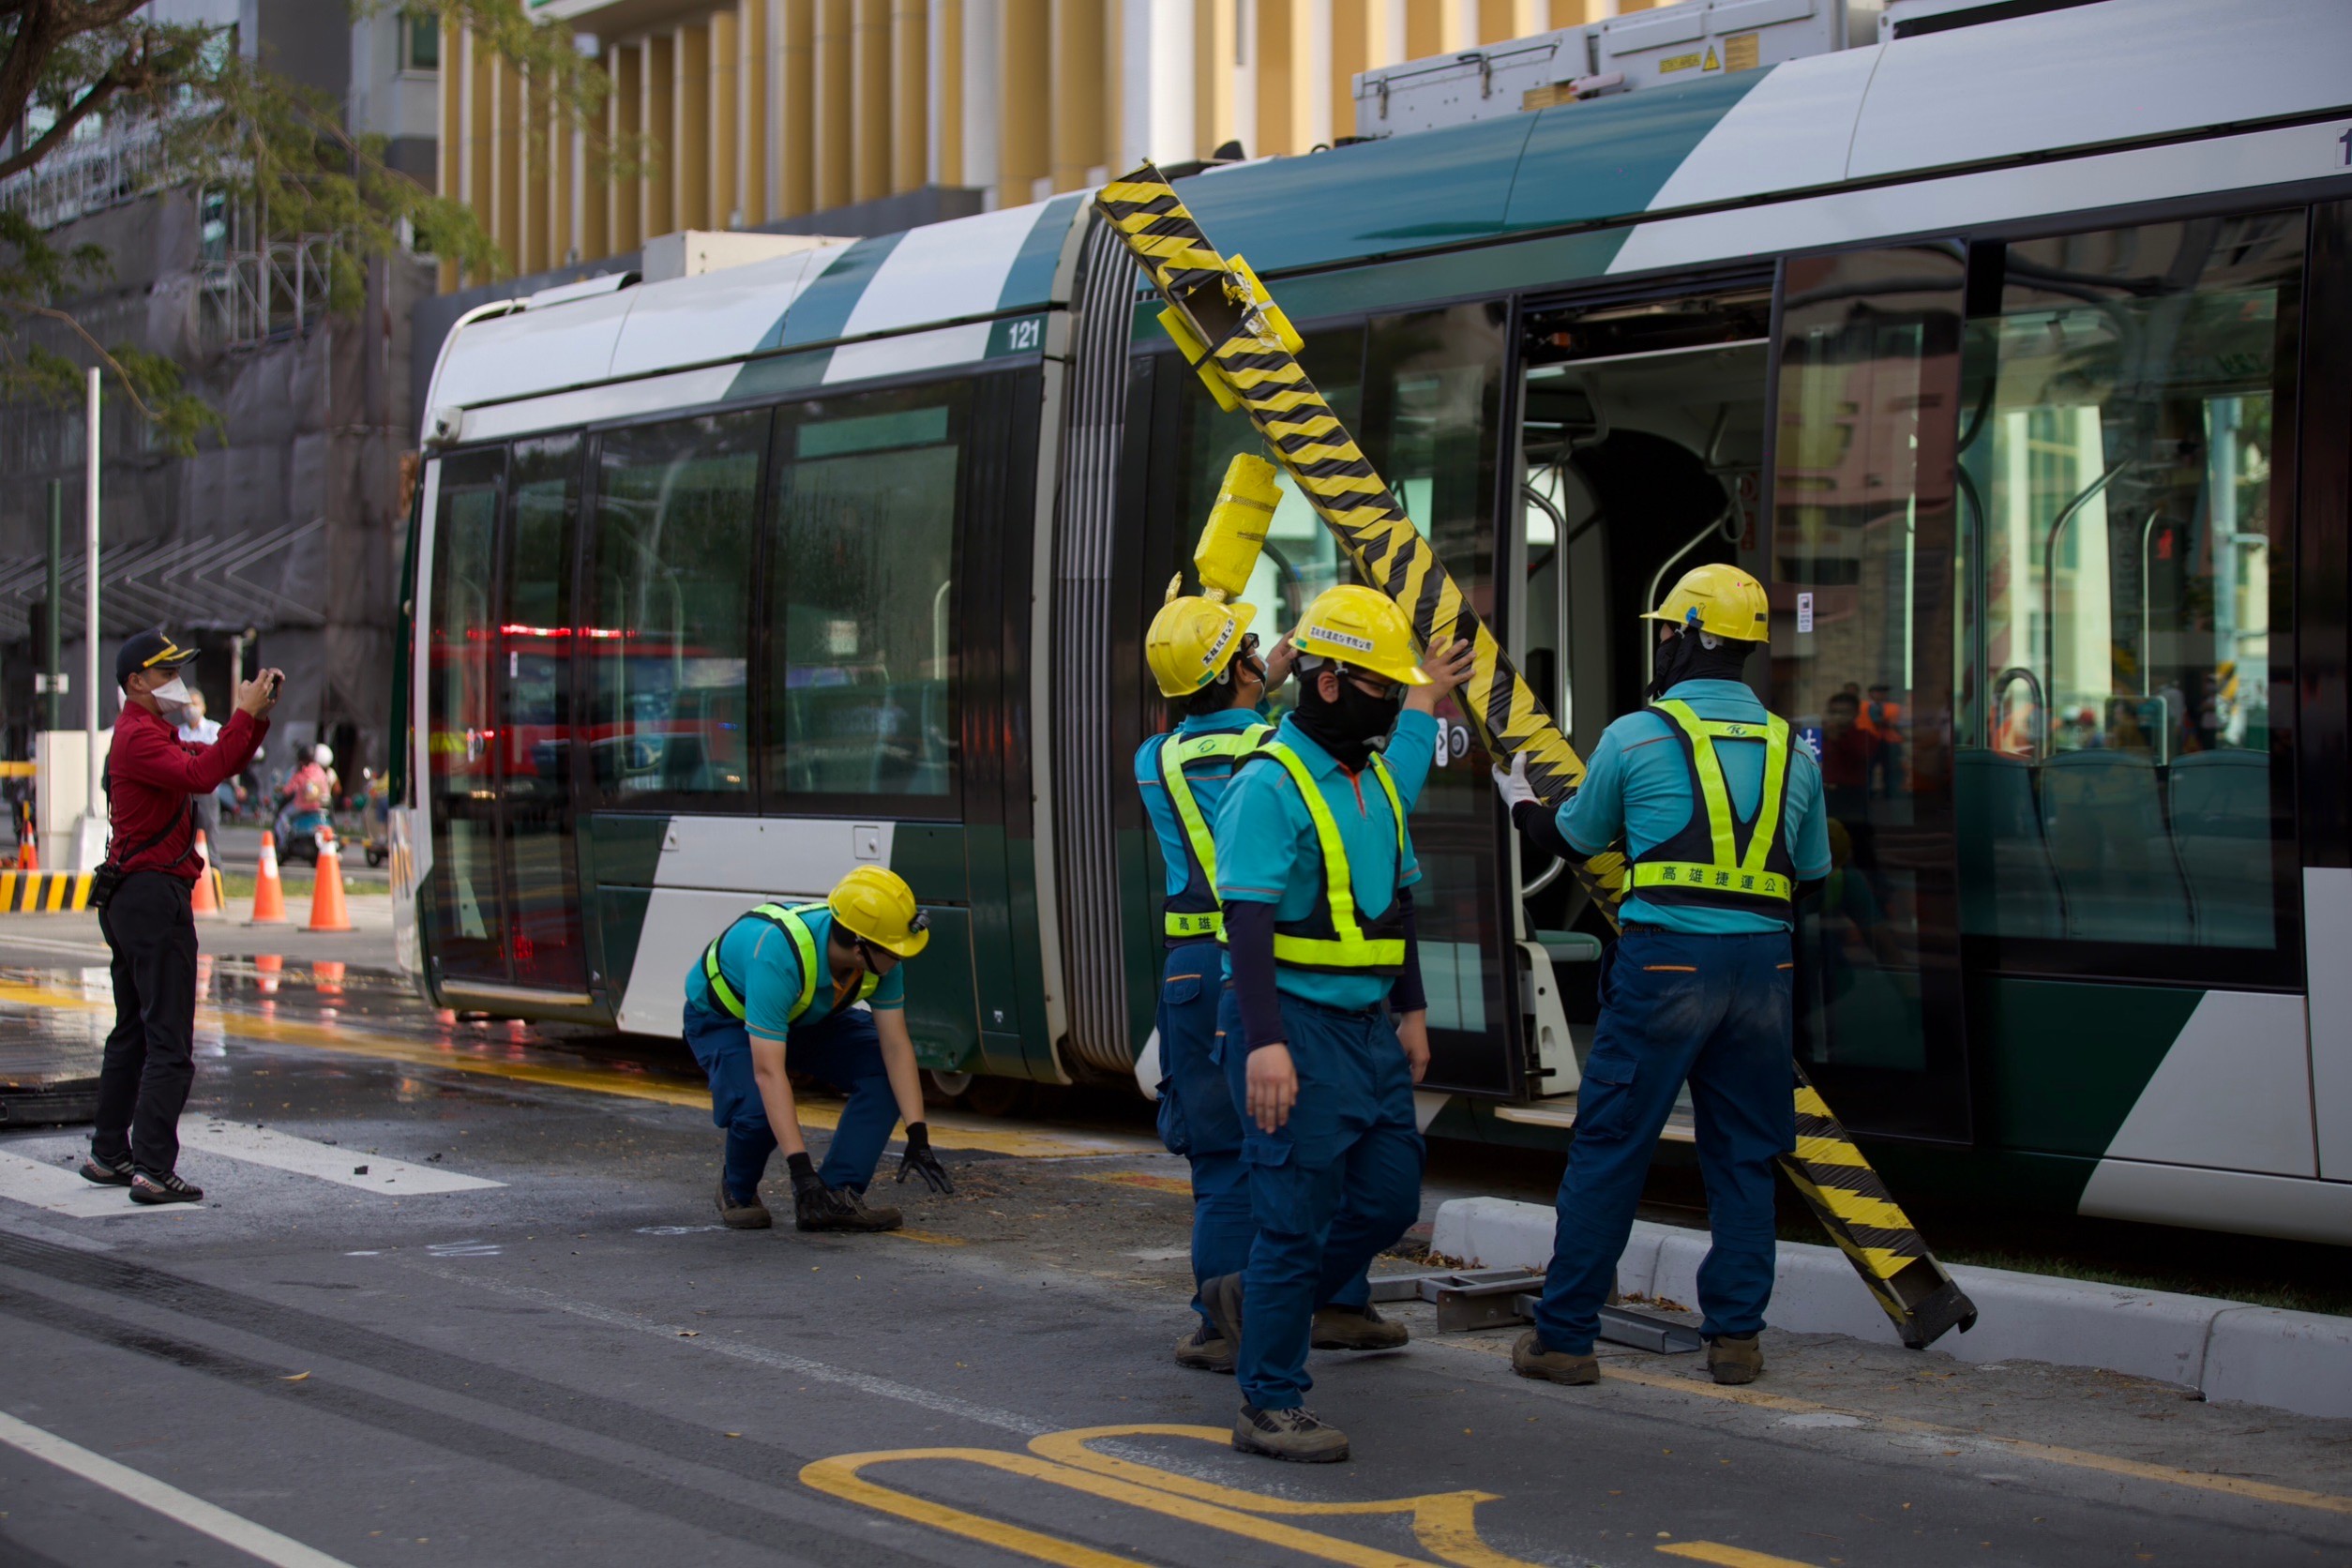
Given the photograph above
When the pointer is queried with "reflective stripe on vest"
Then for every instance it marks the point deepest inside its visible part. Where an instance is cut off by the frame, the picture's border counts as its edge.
(1334, 939)
(1193, 913)
(1731, 874)
(791, 920)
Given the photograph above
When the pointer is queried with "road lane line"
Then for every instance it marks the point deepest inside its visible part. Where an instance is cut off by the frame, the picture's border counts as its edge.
(255, 1541)
(62, 1192)
(2233, 1486)
(348, 1168)
(1730, 1557)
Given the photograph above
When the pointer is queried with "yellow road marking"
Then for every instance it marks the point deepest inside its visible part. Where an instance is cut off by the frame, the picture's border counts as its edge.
(1138, 1179)
(931, 1236)
(947, 1131)
(1730, 1557)
(2233, 1486)
(1442, 1522)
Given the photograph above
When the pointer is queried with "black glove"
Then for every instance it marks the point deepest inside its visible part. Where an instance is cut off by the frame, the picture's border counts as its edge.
(919, 1160)
(805, 1178)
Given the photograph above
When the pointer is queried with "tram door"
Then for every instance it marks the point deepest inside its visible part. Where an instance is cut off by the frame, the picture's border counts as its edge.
(505, 898)
(1654, 440)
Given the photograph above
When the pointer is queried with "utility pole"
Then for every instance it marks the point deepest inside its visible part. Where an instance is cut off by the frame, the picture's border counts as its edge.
(90, 840)
(53, 631)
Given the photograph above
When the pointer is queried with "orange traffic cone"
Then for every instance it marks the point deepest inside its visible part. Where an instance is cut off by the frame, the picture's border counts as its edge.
(269, 893)
(28, 855)
(210, 897)
(270, 967)
(327, 893)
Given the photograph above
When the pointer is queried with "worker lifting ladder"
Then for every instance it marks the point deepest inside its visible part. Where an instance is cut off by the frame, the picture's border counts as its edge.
(1246, 350)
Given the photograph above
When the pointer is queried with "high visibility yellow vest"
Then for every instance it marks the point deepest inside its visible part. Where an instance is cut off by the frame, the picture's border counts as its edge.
(1337, 937)
(1192, 915)
(1705, 863)
(792, 921)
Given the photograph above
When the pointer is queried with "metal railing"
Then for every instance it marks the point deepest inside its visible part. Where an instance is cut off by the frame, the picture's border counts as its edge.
(250, 297)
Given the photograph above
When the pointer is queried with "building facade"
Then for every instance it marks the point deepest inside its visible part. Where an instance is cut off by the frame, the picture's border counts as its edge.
(863, 116)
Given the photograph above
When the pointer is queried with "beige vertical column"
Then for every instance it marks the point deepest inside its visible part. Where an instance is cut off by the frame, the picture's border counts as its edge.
(531, 186)
(627, 121)
(833, 110)
(1076, 130)
(506, 164)
(1279, 114)
(869, 63)
(1114, 109)
(450, 85)
(563, 185)
(721, 110)
(1424, 28)
(658, 95)
(1025, 118)
(1217, 44)
(1461, 23)
(1356, 29)
(1311, 55)
(943, 156)
(481, 88)
(910, 94)
(1502, 20)
(793, 125)
(984, 97)
(690, 129)
(752, 120)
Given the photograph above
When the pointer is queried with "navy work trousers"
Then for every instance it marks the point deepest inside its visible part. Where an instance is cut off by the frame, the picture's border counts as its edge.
(841, 1050)
(1330, 1190)
(1714, 1011)
(150, 1058)
(1196, 1116)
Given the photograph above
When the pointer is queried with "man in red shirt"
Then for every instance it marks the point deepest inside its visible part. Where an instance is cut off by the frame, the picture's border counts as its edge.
(151, 774)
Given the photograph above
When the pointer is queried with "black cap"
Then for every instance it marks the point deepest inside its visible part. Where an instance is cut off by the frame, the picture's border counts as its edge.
(151, 649)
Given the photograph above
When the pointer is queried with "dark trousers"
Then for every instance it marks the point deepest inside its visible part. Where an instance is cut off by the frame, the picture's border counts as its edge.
(842, 1049)
(150, 1055)
(1713, 1010)
(1330, 1190)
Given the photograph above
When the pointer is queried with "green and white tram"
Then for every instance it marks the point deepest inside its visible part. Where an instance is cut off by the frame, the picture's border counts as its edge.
(2016, 357)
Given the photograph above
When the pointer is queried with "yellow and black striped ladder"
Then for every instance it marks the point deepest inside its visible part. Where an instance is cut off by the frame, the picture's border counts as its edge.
(1240, 343)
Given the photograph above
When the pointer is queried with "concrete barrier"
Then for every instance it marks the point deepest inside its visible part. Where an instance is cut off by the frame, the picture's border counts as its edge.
(2228, 1351)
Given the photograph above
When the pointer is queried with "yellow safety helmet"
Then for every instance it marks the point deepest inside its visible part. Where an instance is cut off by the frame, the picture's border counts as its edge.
(1192, 639)
(1721, 600)
(878, 906)
(1362, 627)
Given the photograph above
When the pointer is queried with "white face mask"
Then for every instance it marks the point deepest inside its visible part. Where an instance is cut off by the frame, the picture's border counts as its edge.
(172, 694)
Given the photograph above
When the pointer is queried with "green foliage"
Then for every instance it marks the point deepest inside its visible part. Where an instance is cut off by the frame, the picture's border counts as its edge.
(277, 150)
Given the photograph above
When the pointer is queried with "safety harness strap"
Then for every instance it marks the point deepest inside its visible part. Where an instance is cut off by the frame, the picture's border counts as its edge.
(1734, 869)
(1347, 947)
(791, 919)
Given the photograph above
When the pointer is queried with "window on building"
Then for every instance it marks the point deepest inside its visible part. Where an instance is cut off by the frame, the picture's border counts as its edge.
(420, 42)
(668, 636)
(2115, 579)
(862, 594)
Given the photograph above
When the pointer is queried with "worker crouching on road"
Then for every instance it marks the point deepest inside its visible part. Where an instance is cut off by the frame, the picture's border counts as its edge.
(1313, 864)
(1722, 819)
(783, 982)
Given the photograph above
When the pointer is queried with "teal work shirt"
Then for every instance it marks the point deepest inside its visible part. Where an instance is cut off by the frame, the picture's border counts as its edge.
(761, 966)
(1208, 776)
(1267, 851)
(1636, 786)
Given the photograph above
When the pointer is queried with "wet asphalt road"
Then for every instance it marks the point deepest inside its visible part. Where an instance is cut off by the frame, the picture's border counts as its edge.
(510, 1332)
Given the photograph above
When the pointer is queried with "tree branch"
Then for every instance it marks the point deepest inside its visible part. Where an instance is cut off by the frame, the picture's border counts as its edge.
(99, 91)
(49, 312)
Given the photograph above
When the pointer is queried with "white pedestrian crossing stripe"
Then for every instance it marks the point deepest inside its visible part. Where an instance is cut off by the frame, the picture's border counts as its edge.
(30, 1172)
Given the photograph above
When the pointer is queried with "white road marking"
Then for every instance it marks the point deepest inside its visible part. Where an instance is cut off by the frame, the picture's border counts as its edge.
(257, 1541)
(62, 1192)
(346, 1166)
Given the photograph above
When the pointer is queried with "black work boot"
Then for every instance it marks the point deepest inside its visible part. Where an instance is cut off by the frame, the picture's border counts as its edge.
(1735, 1358)
(1293, 1435)
(1529, 1359)
(115, 1173)
(1206, 1350)
(166, 1189)
(1356, 1328)
(753, 1215)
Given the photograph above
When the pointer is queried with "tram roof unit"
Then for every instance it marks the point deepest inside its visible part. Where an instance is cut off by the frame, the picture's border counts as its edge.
(2034, 89)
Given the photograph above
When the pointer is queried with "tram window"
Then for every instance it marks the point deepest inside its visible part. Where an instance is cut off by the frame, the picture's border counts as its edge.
(668, 638)
(2114, 678)
(461, 781)
(862, 585)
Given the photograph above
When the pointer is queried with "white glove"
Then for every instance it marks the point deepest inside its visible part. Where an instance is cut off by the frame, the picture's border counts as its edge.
(1513, 786)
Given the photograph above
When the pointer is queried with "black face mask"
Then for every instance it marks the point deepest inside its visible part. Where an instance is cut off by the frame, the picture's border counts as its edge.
(1352, 726)
(1685, 657)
